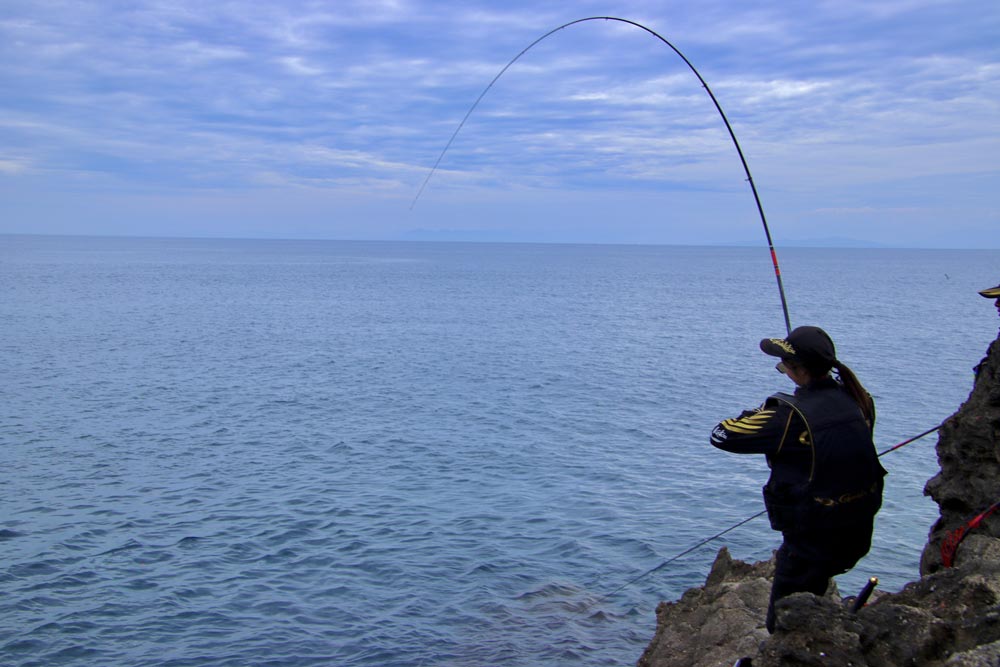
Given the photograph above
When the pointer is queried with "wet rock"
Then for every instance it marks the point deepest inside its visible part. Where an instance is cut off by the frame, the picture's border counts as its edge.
(711, 624)
(984, 656)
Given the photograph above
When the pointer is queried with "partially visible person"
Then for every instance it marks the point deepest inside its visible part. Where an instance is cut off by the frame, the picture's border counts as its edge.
(989, 293)
(826, 481)
(992, 293)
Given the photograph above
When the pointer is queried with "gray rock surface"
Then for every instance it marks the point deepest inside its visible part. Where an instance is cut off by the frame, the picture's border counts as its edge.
(950, 617)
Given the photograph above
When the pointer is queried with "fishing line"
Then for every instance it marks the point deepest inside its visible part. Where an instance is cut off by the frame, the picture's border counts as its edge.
(718, 107)
(731, 528)
(673, 558)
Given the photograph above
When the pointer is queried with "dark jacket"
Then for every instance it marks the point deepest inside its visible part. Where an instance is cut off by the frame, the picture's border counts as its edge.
(826, 479)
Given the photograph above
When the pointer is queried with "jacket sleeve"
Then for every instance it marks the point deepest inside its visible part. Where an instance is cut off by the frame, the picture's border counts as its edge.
(760, 431)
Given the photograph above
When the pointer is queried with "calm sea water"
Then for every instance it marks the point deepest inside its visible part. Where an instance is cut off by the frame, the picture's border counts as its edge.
(227, 453)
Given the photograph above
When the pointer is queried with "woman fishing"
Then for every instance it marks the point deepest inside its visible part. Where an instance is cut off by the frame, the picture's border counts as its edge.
(826, 481)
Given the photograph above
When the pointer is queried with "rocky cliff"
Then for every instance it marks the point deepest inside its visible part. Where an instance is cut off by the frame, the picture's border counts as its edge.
(950, 617)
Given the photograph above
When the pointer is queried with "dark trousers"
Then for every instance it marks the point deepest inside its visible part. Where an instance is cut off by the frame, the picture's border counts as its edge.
(808, 558)
(795, 572)
(804, 564)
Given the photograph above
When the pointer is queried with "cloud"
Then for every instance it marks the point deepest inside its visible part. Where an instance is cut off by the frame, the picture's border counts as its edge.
(297, 65)
(14, 166)
(359, 98)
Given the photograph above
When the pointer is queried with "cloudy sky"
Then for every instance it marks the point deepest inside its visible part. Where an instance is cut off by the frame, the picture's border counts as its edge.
(861, 120)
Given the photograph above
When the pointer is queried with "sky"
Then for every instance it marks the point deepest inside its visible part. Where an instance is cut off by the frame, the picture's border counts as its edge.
(861, 121)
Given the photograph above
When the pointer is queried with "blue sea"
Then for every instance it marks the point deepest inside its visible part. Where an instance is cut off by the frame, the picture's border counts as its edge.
(223, 453)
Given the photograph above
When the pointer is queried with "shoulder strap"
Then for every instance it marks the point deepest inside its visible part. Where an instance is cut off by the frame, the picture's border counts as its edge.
(794, 403)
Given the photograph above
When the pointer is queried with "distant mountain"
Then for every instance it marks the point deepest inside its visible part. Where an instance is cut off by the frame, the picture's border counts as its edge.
(457, 235)
(830, 242)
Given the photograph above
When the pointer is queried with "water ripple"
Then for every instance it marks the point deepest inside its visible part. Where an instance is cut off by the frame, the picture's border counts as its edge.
(445, 460)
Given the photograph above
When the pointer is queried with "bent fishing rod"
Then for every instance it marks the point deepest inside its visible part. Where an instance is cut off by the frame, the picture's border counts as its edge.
(734, 527)
(718, 107)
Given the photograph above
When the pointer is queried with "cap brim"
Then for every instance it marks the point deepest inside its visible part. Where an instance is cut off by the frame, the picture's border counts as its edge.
(992, 293)
(777, 347)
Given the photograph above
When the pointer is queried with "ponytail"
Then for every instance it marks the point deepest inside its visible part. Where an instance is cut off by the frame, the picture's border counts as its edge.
(857, 392)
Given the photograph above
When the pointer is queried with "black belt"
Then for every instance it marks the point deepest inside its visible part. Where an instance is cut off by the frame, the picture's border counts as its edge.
(847, 497)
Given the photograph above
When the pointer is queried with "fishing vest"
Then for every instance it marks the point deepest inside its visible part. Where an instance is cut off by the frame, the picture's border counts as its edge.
(836, 480)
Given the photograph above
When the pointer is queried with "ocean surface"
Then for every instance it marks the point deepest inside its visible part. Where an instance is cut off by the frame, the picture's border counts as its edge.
(221, 453)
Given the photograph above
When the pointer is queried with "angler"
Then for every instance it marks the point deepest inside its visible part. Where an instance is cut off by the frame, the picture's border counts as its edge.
(826, 481)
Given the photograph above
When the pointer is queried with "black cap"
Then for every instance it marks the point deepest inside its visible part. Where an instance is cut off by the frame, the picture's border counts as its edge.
(808, 346)
(991, 293)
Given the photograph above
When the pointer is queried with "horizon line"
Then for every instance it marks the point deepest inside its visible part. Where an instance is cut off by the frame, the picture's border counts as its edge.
(819, 243)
